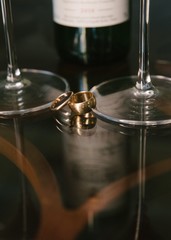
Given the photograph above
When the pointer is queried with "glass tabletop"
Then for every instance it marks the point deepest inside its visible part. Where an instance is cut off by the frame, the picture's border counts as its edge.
(75, 183)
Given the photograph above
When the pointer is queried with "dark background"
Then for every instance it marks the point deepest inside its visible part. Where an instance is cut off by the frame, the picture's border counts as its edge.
(34, 37)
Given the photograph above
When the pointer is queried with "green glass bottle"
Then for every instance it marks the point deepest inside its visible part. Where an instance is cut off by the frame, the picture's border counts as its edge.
(92, 31)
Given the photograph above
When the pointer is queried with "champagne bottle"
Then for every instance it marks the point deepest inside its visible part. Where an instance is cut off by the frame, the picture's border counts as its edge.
(92, 31)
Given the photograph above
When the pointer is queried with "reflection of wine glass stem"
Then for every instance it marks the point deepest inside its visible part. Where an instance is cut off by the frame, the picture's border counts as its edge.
(18, 130)
(141, 193)
(13, 72)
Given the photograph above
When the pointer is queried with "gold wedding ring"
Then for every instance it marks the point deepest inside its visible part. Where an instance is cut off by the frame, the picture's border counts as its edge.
(82, 102)
(61, 101)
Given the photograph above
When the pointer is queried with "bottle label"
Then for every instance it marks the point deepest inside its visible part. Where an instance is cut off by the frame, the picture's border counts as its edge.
(90, 13)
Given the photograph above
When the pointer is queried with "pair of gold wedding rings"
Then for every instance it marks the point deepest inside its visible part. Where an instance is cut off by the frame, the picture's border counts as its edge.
(80, 103)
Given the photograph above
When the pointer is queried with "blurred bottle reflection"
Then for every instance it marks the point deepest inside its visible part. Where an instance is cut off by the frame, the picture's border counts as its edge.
(92, 160)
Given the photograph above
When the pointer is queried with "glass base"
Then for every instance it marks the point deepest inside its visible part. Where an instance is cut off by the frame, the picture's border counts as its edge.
(35, 92)
(118, 102)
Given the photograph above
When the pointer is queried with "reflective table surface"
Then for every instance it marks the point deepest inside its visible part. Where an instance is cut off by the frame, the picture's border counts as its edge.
(96, 181)
(99, 182)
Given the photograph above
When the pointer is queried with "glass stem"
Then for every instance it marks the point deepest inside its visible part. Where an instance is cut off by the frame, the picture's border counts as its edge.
(144, 80)
(13, 72)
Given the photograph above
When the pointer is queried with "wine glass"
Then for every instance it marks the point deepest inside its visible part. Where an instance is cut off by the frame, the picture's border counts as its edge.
(136, 100)
(24, 91)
